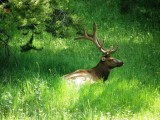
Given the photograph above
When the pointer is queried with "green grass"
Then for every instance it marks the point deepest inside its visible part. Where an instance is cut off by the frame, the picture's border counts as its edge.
(31, 87)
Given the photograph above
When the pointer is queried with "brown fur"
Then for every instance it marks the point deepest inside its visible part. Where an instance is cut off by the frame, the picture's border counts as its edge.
(101, 71)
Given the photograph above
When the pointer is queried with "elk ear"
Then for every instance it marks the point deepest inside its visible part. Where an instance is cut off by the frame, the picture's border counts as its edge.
(103, 58)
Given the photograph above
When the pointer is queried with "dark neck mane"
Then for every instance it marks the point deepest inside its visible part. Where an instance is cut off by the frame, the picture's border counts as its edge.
(102, 71)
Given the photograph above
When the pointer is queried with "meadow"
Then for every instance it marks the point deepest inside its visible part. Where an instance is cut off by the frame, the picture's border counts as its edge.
(31, 86)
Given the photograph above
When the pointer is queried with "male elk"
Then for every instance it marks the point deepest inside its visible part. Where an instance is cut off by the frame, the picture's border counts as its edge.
(102, 70)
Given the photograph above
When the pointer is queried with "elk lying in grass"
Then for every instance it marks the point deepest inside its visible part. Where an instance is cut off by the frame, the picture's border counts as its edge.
(102, 69)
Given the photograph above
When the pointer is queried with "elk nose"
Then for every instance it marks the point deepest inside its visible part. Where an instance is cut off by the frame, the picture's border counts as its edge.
(120, 64)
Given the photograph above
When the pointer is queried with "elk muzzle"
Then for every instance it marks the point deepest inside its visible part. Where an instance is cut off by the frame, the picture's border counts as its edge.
(112, 62)
(118, 62)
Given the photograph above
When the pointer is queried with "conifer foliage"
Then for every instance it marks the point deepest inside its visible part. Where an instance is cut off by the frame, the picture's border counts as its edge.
(28, 17)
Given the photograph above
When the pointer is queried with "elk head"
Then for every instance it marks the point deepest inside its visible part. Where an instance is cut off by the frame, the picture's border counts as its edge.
(106, 58)
(103, 68)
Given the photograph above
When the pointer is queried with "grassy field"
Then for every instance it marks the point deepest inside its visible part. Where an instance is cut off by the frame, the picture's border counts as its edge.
(31, 86)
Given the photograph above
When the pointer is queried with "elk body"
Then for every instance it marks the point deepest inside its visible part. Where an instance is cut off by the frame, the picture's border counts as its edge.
(102, 69)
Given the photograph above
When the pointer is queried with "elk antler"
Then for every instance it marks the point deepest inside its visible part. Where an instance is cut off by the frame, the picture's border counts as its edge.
(94, 39)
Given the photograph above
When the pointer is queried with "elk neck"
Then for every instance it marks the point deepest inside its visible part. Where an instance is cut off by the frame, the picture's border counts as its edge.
(101, 70)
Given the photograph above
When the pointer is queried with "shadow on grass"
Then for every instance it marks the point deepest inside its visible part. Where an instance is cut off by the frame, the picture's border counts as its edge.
(141, 61)
(48, 63)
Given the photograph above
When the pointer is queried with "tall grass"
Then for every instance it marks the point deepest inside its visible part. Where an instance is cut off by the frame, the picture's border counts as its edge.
(31, 86)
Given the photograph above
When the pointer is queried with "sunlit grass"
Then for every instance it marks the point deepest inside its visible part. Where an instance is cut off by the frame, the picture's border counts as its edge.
(38, 98)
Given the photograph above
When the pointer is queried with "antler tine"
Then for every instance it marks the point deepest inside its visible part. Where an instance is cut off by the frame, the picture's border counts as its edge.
(111, 50)
(96, 41)
(93, 38)
(85, 36)
(89, 36)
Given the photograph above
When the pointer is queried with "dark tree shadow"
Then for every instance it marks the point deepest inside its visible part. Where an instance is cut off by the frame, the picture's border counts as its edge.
(147, 13)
